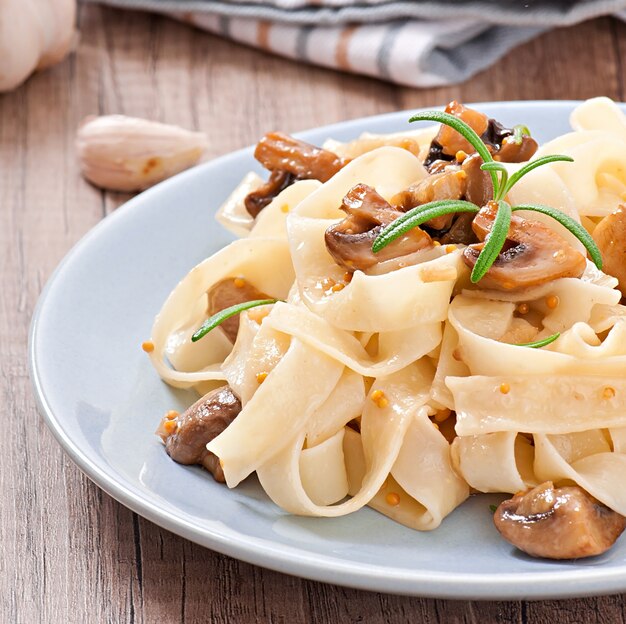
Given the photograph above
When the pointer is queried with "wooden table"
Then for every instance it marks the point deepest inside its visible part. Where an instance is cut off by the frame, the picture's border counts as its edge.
(70, 552)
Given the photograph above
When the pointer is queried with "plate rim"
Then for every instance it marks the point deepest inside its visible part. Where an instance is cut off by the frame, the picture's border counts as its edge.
(287, 559)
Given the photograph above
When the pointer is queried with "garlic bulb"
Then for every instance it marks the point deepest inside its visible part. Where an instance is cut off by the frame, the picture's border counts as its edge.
(34, 34)
(130, 154)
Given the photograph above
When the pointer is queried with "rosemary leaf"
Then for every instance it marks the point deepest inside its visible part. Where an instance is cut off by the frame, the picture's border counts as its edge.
(218, 318)
(540, 343)
(529, 166)
(494, 242)
(493, 508)
(575, 228)
(464, 130)
(418, 215)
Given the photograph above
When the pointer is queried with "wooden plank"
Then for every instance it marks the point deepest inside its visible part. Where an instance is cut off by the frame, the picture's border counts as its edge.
(71, 553)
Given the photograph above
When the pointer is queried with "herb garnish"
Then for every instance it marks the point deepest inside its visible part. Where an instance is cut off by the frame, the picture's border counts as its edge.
(219, 317)
(502, 184)
(540, 343)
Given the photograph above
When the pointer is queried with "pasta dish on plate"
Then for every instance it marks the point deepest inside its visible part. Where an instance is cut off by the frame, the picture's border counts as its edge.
(408, 319)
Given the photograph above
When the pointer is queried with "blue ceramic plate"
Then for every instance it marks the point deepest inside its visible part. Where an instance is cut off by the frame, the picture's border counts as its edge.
(102, 400)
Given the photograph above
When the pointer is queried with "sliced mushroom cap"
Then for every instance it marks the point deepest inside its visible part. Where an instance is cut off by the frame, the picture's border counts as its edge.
(558, 523)
(229, 292)
(532, 255)
(350, 241)
(610, 236)
(280, 152)
(187, 435)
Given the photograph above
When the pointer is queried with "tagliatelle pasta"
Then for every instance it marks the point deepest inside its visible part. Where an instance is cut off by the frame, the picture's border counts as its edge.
(402, 382)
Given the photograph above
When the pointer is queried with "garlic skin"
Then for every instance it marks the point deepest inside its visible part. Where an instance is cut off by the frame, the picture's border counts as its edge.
(34, 34)
(122, 153)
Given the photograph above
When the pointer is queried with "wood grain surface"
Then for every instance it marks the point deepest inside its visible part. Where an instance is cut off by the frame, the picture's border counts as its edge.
(70, 553)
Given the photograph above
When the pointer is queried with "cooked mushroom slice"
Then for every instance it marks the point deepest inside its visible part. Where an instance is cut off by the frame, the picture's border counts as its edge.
(461, 232)
(478, 185)
(467, 182)
(350, 241)
(449, 184)
(533, 253)
(610, 236)
(229, 292)
(289, 160)
(263, 196)
(558, 523)
(187, 435)
(499, 139)
(280, 152)
(449, 141)
(513, 152)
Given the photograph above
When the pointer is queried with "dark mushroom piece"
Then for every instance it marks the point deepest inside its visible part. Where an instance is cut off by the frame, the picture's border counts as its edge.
(449, 184)
(466, 181)
(610, 236)
(558, 523)
(461, 232)
(229, 292)
(533, 254)
(263, 196)
(350, 241)
(499, 140)
(289, 160)
(513, 152)
(186, 435)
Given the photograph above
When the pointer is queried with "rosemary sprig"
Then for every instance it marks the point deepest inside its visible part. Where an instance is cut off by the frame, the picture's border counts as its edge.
(502, 184)
(493, 242)
(574, 227)
(219, 317)
(540, 343)
(418, 215)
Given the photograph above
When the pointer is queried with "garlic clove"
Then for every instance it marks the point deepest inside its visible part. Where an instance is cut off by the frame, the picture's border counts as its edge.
(33, 36)
(130, 154)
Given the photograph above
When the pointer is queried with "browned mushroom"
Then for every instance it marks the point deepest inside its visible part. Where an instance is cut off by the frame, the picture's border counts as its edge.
(558, 523)
(289, 159)
(610, 236)
(229, 292)
(350, 241)
(478, 185)
(186, 435)
(532, 255)
(466, 181)
(280, 152)
(499, 140)
(449, 184)
(256, 200)
(450, 140)
(461, 232)
(513, 152)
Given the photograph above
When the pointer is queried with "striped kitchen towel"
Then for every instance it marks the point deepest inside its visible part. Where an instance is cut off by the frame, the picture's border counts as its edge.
(419, 43)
